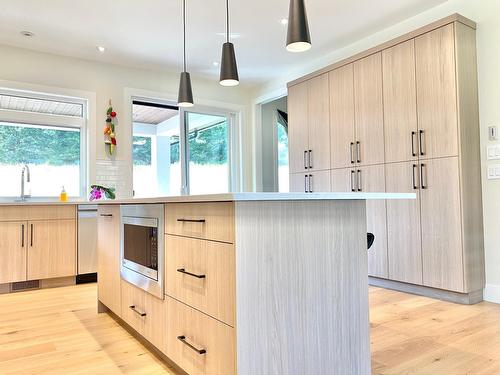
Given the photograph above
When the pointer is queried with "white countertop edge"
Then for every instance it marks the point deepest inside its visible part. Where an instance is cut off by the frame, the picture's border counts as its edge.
(228, 198)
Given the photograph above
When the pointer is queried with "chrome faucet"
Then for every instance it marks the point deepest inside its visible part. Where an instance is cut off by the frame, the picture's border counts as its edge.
(26, 170)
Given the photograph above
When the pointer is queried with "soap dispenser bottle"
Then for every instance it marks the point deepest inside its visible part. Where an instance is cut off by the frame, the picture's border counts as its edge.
(63, 197)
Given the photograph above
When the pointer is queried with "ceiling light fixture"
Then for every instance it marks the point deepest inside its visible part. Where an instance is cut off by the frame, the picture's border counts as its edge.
(27, 34)
(298, 38)
(101, 49)
(215, 63)
(284, 21)
(229, 68)
(185, 98)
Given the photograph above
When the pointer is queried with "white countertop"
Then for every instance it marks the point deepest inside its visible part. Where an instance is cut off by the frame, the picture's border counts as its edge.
(225, 198)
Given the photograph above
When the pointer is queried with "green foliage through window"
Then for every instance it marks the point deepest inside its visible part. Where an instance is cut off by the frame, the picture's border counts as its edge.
(141, 150)
(38, 145)
(282, 146)
(209, 145)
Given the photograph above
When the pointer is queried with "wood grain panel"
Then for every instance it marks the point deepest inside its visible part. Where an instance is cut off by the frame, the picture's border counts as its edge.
(437, 93)
(202, 332)
(25, 213)
(298, 125)
(319, 123)
(442, 246)
(319, 182)
(298, 182)
(13, 251)
(400, 103)
(218, 221)
(369, 113)
(52, 249)
(343, 180)
(313, 278)
(108, 257)
(215, 293)
(342, 128)
(133, 302)
(403, 224)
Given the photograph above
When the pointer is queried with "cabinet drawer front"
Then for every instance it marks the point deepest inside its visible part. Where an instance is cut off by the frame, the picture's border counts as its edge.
(190, 332)
(212, 221)
(53, 212)
(201, 274)
(133, 306)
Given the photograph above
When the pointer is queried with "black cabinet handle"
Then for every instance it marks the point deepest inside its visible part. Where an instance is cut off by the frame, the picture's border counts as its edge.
(106, 215)
(360, 183)
(310, 159)
(183, 270)
(137, 312)
(352, 180)
(191, 220)
(310, 183)
(305, 159)
(22, 235)
(421, 142)
(413, 134)
(358, 151)
(415, 187)
(351, 151)
(423, 184)
(31, 235)
(183, 340)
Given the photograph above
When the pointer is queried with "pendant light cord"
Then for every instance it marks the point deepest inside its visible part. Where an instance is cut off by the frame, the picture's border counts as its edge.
(227, 19)
(184, 30)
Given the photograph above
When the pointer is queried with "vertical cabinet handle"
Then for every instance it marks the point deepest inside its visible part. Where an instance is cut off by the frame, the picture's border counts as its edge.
(413, 153)
(421, 142)
(22, 235)
(305, 160)
(423, 180)
(310, 159)
(183, 340)
(306, 186)
(310, 183)
(414, 176)
(351, 151)
(31, 235)
(358, 152)
(352, 180)
(359, 182)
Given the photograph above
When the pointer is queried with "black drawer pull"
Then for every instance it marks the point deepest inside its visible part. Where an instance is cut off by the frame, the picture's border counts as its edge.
(137, 312)
(183, 270)
(183, 340)
(191, 220)
(106, 215)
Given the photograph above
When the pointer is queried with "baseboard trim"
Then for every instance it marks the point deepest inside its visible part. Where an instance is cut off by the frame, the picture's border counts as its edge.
(492, 293)
(444, 295)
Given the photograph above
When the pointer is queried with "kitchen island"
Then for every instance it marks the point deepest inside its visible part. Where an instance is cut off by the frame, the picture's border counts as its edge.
(255, 283)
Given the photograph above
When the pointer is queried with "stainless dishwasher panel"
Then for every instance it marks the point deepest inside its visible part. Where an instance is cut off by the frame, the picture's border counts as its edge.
(87, 239)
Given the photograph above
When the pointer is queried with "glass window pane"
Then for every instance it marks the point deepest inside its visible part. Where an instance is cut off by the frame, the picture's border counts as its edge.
(283, 176)
(52, 154)
(208, 142)
(155, 150)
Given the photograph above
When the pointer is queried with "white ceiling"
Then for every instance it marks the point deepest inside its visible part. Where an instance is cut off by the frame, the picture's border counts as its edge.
(147, 33)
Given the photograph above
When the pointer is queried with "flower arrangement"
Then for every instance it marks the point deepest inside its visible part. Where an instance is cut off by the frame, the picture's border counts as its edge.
(97, 192)
(109, 129)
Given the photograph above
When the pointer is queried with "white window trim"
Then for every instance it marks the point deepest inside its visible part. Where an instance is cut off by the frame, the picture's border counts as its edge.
(87, 124)
(235, 113)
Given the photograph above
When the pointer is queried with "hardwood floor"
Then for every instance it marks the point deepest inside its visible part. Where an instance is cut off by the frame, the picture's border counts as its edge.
(57, 331)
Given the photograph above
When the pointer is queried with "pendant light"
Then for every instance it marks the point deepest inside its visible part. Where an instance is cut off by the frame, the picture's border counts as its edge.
(185, 90)
(298, 38)
(228, 66)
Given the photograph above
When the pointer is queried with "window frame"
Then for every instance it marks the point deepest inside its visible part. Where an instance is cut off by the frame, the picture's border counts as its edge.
(51, 120)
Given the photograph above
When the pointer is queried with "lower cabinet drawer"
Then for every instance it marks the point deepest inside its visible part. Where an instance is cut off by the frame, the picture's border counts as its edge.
(144, 313)
(198, 343)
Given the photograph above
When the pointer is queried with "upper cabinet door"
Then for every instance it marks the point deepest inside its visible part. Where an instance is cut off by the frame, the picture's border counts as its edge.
(298, 138)
(342, 135)
(400, 103)
(436, 93)
(369, 111)
(13, 243)
(319, 123)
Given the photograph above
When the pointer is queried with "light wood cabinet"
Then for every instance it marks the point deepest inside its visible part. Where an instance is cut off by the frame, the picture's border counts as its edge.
(312, 182)
(298, 132)
(442, 250)
(52, 249)
(13, 243)
(343, 180)
(403, 224)
(437, 93)
(400, 103)
(369, 115)
(108, 257)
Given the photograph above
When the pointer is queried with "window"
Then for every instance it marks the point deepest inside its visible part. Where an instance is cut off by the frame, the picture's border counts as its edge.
(47, 133)
(179, 152)
(282, 134)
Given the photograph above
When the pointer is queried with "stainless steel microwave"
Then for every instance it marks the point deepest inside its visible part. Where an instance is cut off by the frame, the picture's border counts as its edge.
(142, 247)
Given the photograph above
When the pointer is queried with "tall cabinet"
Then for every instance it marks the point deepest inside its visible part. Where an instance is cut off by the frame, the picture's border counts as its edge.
(404, 118)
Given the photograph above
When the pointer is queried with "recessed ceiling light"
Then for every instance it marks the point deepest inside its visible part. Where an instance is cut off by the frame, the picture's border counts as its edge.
(215, 63)
(284, 21)
(27, 34)
(101, 48)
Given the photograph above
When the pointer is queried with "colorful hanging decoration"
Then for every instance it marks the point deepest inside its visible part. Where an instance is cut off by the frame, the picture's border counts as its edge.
(109, 129)
(97, 192)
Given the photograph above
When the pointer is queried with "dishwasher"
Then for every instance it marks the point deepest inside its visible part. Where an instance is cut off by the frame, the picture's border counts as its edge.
(87, 244)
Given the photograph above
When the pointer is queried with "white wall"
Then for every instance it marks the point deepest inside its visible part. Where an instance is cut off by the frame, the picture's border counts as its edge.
(486, 13)
(111, 82)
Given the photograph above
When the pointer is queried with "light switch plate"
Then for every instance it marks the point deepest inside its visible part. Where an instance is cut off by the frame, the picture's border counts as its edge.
(492, 133)
(493, 152)
(494, 172)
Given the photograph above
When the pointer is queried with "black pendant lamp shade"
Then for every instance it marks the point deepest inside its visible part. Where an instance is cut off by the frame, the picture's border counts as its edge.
(228, 66)
(298, 38)
(185, 98)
